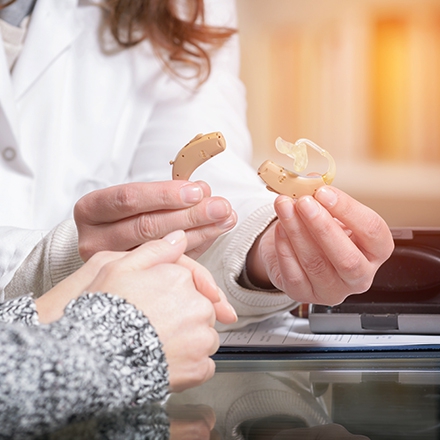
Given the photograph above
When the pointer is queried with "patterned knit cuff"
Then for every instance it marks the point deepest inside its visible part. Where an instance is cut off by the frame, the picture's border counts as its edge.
(127, 339)
(21, 310)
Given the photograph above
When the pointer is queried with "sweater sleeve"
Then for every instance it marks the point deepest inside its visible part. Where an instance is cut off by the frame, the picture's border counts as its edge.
(250, 303)
(149, 421)
(52, 259)
(103, 354)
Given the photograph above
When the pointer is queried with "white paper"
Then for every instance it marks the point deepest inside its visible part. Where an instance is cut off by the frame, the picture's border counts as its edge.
(286, 330)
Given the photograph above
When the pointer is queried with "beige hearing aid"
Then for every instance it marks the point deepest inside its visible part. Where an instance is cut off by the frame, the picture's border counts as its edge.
(196, 152)
(289, 183)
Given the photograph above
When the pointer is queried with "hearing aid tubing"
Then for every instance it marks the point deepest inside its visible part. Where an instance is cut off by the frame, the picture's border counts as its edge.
(283, 181)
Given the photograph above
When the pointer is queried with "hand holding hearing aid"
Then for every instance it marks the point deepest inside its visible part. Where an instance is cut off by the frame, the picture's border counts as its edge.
(319, 249)
(122, 217)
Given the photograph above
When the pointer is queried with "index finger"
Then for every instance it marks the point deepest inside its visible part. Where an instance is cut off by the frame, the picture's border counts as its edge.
(371, 233)
(206, 285)
(117, 202)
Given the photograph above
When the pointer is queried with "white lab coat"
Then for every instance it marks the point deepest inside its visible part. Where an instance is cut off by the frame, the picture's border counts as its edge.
(78, 114)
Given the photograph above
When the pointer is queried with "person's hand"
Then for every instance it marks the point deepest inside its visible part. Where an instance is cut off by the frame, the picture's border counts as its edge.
(192, 422)
(179, 300)
(178, 295)
(321, 249)
(122, 217)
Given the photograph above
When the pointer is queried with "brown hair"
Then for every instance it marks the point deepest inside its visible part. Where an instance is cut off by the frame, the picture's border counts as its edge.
(174, 38)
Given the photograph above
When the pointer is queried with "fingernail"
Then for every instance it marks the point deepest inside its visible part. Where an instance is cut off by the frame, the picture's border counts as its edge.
(326, 196)
(217, 209)
(224, 300)
(309, 207)
(191, 193)
(285, 209)
(229, 223)
(233, 312)
(175, 237)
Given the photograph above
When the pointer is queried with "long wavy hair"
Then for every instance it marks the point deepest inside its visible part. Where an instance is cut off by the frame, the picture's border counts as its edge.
(175, 28)
(177, 37)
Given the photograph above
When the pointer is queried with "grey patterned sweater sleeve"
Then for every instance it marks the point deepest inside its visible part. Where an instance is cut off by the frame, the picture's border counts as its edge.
(101, 355)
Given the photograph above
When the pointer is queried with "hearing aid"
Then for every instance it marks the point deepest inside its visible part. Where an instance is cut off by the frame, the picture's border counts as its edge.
(290, 183)
(196, 152)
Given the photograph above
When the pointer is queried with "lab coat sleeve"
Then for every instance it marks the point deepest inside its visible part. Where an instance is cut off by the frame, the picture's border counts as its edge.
(54, 257)
(219, 104)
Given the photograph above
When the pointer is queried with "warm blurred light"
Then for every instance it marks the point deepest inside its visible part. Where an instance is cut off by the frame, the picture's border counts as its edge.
(390, 91)
(361, 79)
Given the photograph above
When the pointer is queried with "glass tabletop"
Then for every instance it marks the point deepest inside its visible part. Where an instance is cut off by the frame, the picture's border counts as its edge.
(280, 398)
(376, 399)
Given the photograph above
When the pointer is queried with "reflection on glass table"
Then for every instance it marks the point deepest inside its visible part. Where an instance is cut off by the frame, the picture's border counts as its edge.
(319, 400)
(326, 399)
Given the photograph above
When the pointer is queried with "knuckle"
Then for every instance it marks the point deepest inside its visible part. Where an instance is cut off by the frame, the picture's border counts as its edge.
(86, 250)
(283, 253)
(165, 197)
(204, 372)
(125, 197)
(356, 276)
(83, 207)
(209, 370)
(363, 282)
(191, 216)
(294, 285)
(200, 237)
(205, 309)
(352, 264)
(101, 258)
(177, 276)
(207, 341)
(374, 227)
(79, 210)
(316, 265)
(111, 268)
(147, 227)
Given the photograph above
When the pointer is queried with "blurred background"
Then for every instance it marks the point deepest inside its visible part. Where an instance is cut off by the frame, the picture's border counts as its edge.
(361, 78)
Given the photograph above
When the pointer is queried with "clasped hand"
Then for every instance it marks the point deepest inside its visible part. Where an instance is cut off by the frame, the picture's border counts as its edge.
(178, 295)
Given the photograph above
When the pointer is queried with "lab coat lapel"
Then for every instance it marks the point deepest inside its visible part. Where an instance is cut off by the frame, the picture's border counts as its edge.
(54, 25)
(8, 111)
(9, 134)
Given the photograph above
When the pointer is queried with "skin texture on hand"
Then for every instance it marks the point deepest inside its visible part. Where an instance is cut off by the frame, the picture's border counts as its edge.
(320, 249)
(178, 295)
(190, 422)
(122, 217)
